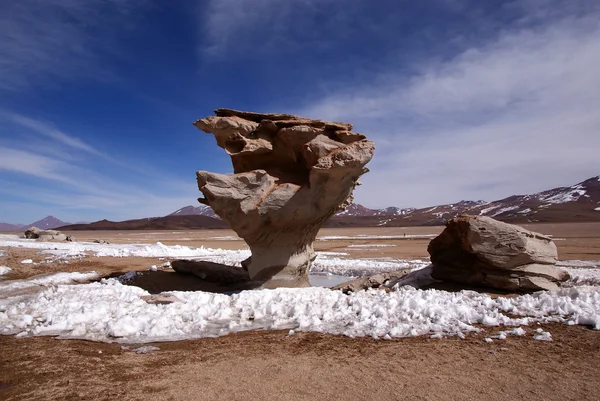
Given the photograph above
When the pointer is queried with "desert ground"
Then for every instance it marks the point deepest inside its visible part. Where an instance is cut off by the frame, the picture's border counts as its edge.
(303, 366)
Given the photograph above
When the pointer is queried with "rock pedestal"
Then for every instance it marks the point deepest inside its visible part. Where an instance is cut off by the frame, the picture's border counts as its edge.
(481, 251)
(290, 175)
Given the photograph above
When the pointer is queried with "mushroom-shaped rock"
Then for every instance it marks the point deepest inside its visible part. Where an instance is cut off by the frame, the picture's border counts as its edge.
(290, 175)
(481, 251)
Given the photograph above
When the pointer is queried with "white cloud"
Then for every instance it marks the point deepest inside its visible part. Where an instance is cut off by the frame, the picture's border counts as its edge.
(71, 191)
(57, 39)
(36, 165)
(51, 132)
(515, 115)
(240, 27)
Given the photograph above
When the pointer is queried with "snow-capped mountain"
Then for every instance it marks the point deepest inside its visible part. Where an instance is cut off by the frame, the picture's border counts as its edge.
(355, 209)
(579, 202)
(201, 210)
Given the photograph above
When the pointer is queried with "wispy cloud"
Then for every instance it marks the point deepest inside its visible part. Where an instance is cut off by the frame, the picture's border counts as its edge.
(32, 164)
(51, 132)
(45, 41)
(239, 27)
(515, 114)
(81, 193)
(85, 187)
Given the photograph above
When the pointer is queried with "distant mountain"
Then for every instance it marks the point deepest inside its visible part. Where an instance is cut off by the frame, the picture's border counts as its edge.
(201, 210)
(185, 222)
(362, 211)
(48, 223)
(577, 203)
(354, 210)
(11, 227)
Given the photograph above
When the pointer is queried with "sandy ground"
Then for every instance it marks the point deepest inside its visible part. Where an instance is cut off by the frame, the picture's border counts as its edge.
(579, 241)
(272, 365)
(306, 366)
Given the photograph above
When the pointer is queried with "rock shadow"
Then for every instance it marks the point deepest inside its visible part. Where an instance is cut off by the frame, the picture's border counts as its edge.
(156, 282)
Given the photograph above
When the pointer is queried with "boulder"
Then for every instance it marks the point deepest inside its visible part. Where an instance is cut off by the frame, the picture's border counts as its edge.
(379, 280)
(46, 235)
(481, 251)
(290, 174)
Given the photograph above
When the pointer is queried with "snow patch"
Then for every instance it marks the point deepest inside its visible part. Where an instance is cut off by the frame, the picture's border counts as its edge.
(4, 270)
(370, 245)
(564, 197)
(362, 267)
(366, 236)
(504, 210)
(583, 277)
(542, 335)
(47, 280)
(110, 311)
(488, 209)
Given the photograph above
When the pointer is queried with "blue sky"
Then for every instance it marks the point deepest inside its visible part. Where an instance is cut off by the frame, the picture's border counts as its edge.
(465, 99)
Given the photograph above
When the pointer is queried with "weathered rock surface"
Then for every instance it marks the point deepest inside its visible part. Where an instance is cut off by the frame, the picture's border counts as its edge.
(46, 235)
(481, 251)
(290, 175)
(379, 280)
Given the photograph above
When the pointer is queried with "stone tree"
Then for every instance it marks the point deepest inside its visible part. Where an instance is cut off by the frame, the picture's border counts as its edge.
(290, 174)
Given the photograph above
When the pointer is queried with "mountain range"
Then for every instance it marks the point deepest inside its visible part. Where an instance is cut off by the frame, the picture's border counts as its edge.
(577, 203)
(47, 223)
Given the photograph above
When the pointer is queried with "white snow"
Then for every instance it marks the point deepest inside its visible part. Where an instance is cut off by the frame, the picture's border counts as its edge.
(326, 262)
(71, 249)
(502, 335)
(366, 236)
(48, 280)
(488, 209)
(542, 335)
(146, 349)
(524, 211)
(572, 195)
(27, 261)
(578, 263)
(362, 267)
(4, 270)
(518, 331)
(583, 277)
(597, 209)
(504, 210)
(370, 245)
(110, 311)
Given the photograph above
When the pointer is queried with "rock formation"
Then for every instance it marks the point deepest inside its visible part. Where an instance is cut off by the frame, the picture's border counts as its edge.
(380, 280)
(484, 252)
(290, 174)
(46, 235)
